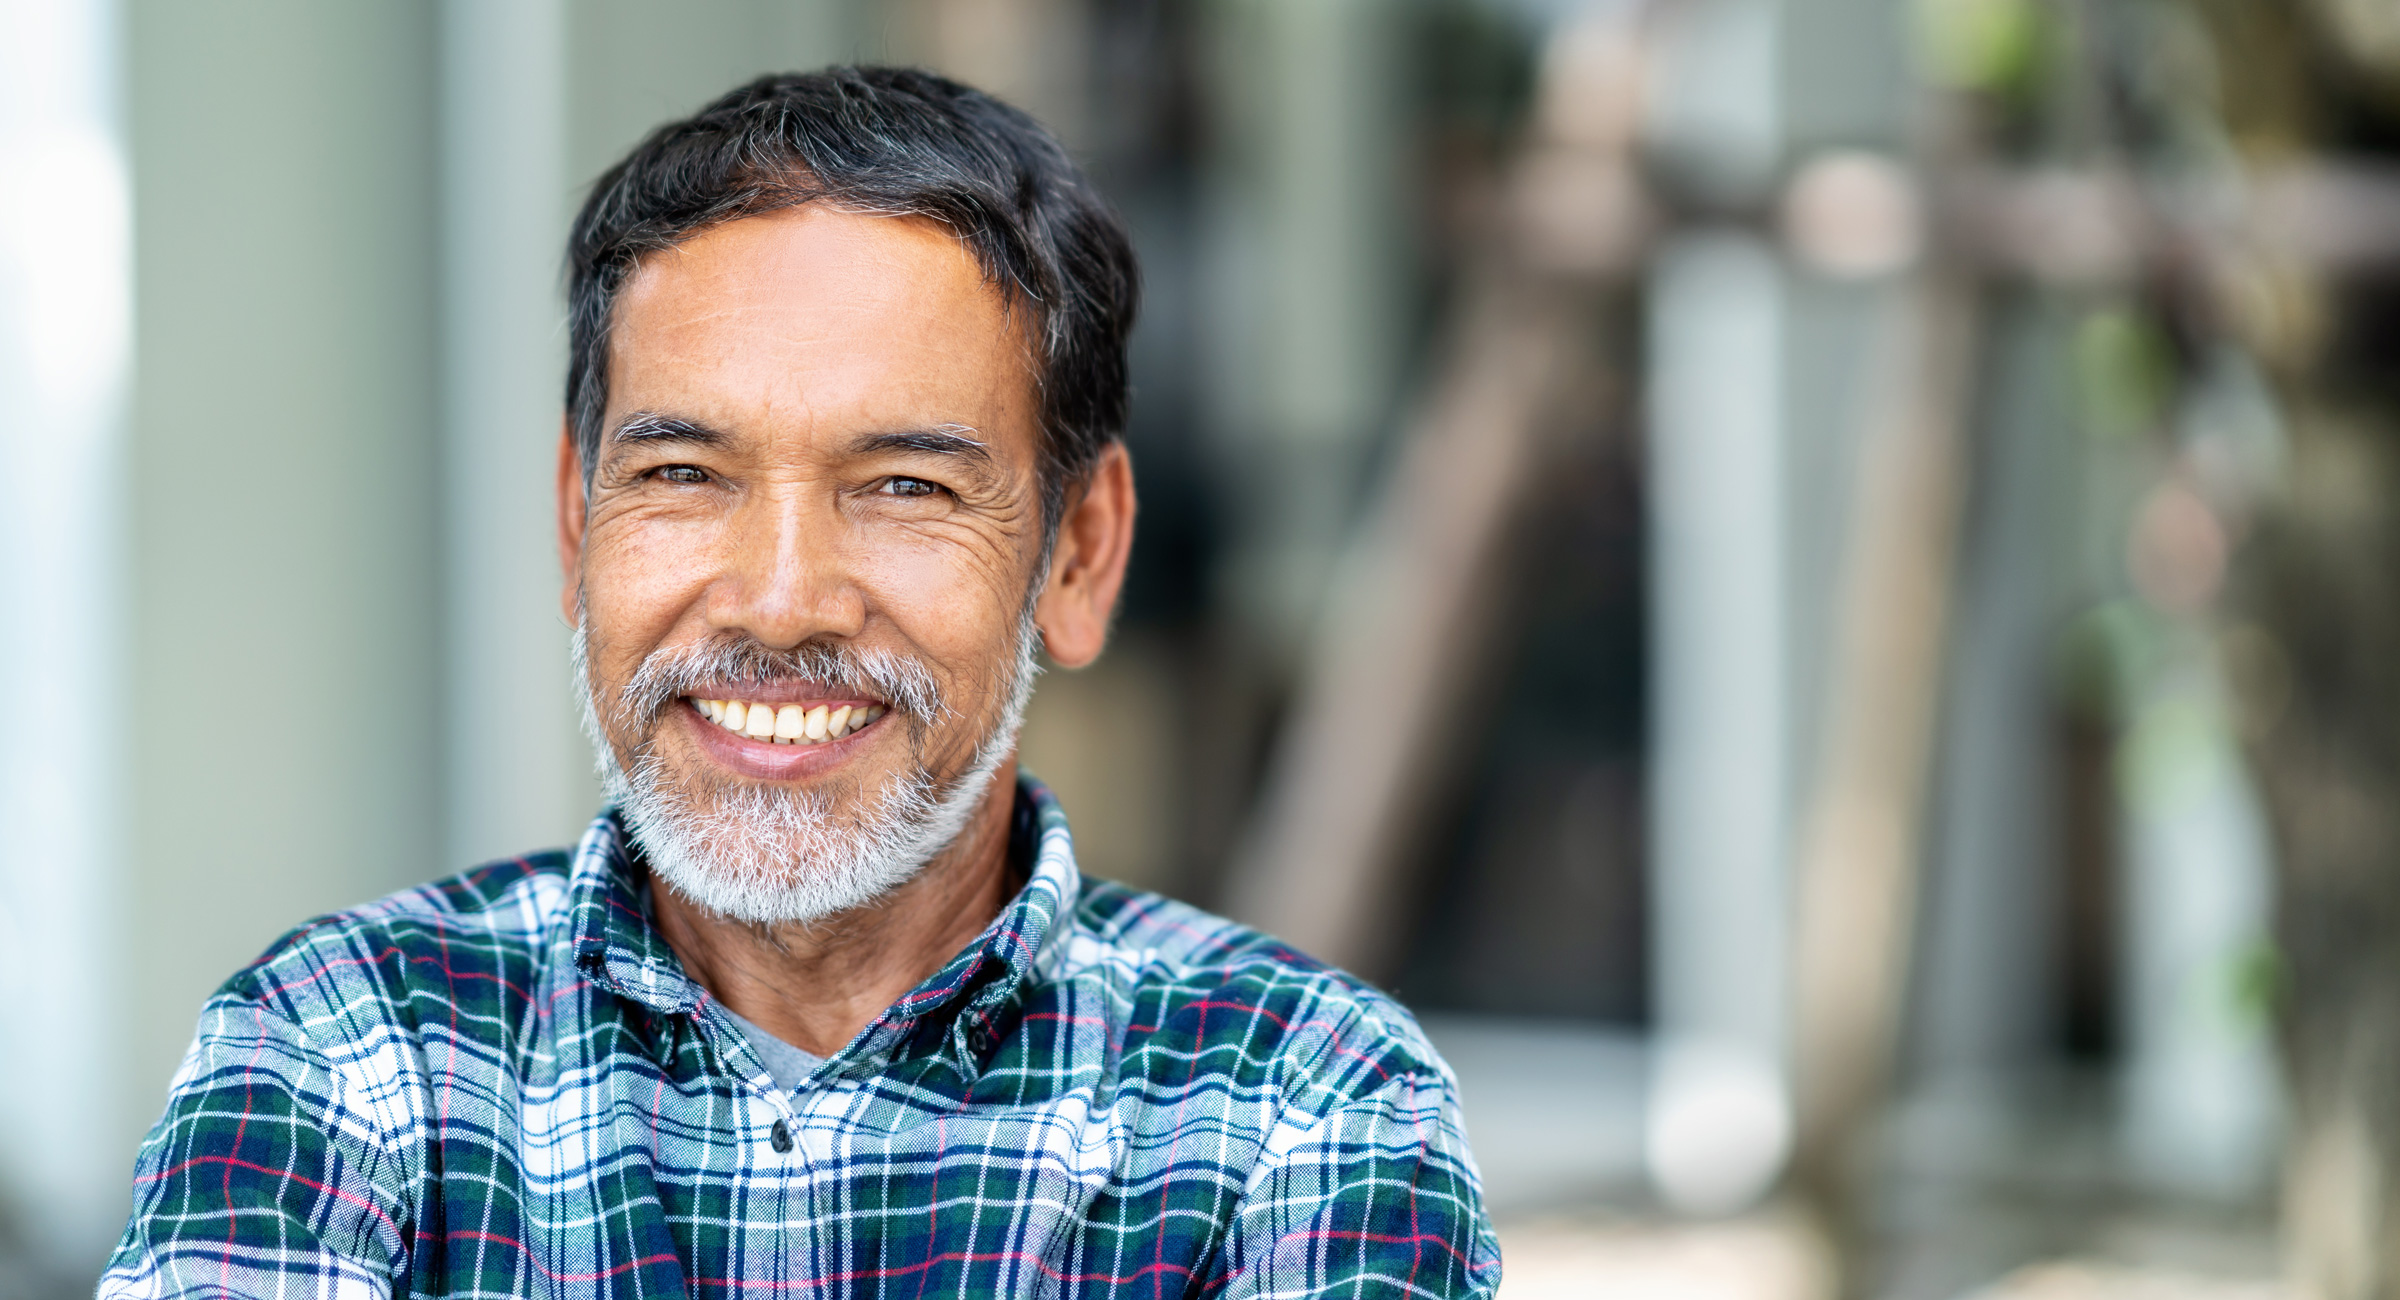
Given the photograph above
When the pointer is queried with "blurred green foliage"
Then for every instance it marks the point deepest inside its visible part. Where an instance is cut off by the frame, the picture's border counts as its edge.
(2124, 372)
(1991, 47)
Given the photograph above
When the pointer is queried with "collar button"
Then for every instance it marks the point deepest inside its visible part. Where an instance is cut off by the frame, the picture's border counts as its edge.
(780, 1138)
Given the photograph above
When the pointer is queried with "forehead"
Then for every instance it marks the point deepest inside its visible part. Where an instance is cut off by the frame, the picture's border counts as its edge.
(822, 318)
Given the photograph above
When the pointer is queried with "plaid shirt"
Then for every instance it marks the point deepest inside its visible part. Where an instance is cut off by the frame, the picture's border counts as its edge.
(503, 1084)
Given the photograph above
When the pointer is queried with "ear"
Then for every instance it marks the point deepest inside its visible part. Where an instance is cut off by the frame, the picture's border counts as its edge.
(570, 520)
(1087, 566)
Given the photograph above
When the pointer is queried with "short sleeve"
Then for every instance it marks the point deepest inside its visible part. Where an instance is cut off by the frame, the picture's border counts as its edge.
(267, 1176)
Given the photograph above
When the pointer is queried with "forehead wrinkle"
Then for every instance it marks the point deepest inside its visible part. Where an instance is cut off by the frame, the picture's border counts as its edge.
(816, 347)
(829, 325)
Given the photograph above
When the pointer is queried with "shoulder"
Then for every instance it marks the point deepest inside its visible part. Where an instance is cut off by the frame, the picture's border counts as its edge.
(1246, 1001)
(471, 939)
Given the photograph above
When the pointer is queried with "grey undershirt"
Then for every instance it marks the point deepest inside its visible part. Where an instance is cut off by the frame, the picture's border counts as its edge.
(789, 1066)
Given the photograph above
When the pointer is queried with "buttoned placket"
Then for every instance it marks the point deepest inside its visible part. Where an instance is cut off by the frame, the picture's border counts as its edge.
(782, 1133)
(971, 1035)
(633, 966)
(649, 982)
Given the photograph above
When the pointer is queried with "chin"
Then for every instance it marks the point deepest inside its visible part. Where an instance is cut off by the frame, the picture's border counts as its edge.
(773, 855)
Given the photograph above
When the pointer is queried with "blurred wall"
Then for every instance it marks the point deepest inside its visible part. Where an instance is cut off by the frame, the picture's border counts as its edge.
(282, 600)
(633, 65)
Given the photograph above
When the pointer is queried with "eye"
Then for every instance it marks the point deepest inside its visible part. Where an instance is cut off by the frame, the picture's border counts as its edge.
(901, 486)
(682, 473)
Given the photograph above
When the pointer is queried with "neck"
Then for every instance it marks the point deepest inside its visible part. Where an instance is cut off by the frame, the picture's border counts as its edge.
(816, 984)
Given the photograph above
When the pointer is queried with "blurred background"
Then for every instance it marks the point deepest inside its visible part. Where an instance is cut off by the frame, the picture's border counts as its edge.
(1815, 584)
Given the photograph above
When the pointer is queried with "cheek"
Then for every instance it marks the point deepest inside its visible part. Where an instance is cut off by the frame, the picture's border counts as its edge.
(959, 607)
(637, 581)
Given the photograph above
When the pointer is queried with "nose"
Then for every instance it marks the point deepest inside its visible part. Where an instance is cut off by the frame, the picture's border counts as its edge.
(789, 575)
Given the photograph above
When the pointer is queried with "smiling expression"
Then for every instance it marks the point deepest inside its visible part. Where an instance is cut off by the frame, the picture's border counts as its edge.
(821, 436)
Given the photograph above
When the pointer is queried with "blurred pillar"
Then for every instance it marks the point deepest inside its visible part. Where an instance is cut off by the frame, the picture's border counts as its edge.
(1721, 699)
(1309, 301)
(65, 263)
(1750, 608)
(2201, 1093)
(1715, 116)
(1721, 709)
(285, 647)
(2202, 1101)
(515, 771)
(1985, 1011)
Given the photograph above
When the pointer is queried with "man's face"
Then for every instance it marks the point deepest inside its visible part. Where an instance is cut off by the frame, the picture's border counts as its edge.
(816, 489)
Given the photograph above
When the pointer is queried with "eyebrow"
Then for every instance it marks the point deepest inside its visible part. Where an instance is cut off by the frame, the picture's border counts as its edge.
(940, 440)
(650, 426)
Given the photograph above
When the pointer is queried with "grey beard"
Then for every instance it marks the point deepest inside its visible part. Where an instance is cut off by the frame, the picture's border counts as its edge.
(767, 855)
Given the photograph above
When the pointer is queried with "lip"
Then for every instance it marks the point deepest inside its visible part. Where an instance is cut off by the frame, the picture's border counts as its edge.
(762, 760)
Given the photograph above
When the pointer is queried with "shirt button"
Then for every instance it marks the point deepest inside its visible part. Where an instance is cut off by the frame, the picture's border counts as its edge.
(979, 1040)
(780, 1138)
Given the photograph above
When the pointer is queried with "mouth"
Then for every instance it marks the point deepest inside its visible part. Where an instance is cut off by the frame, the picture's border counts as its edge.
(789, 723)
(801, 736)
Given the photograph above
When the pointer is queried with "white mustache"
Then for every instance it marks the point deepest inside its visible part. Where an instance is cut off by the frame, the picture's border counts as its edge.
(667, 675)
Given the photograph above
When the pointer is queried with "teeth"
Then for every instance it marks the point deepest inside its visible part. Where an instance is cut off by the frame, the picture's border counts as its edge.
(788, 724)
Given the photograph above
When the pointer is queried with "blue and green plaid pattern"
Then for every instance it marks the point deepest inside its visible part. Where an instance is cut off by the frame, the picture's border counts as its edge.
(503, 1084)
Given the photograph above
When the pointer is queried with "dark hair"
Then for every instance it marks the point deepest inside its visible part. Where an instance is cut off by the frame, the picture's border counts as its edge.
(886, 141)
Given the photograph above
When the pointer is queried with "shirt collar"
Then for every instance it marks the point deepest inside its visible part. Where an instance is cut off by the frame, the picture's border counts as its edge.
(619, 948)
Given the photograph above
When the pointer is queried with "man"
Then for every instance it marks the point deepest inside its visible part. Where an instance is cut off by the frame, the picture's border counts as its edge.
(820, 1005)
